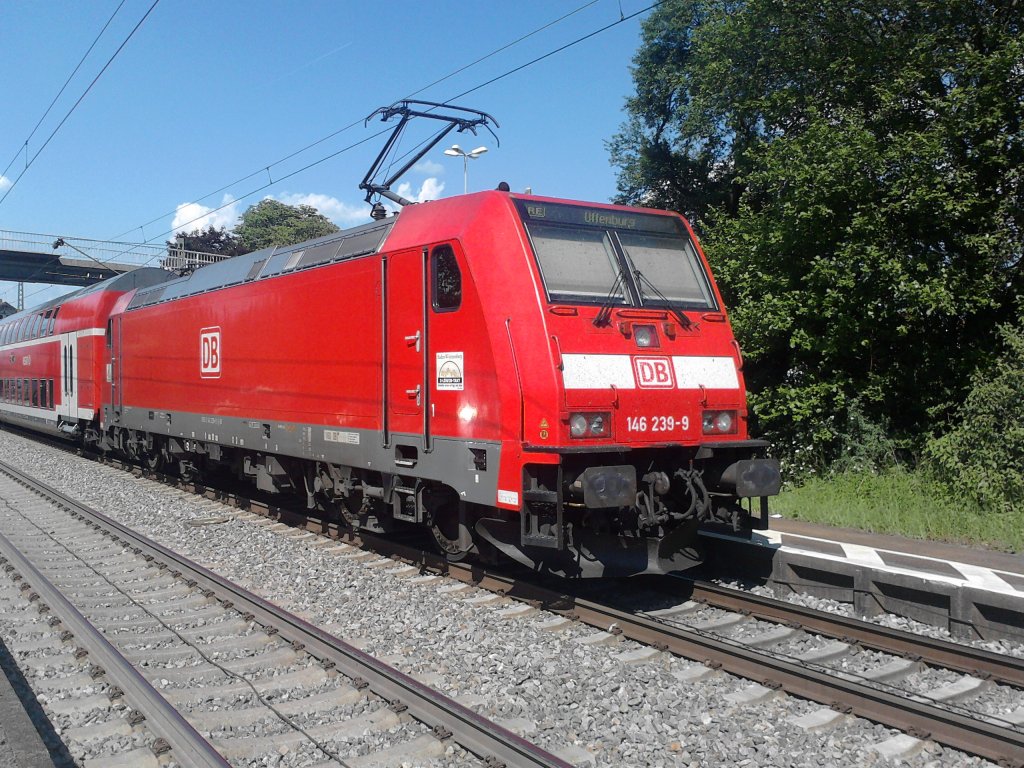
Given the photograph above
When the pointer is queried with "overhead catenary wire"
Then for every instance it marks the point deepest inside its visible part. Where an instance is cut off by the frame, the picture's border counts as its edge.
(351, 146)
(79, 101)
(24, 145)
(264, 169)
(359, 121)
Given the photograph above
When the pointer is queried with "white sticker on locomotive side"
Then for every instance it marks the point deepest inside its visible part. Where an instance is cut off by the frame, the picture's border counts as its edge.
(450, 368)
(508, 497)
(337, 436)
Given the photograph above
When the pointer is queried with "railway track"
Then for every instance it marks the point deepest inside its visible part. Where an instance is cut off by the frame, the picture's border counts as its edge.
(920, 686)
(155, 654)
(870, 690)
(745, 635)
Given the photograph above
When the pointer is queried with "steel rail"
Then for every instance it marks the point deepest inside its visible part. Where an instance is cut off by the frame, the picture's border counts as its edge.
(903, 711)
(445, 715)
(188, 746)
(912, 715)
(956, 656)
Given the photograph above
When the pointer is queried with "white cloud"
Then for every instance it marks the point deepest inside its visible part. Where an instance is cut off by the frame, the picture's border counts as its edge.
(192, 216)
(430, 189)
(342, 214)
(429, 168)
(4, 183)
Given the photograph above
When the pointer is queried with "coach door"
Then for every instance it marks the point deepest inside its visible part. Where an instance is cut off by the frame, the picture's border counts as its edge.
(114, 365)
(405, 345)
(68, 406)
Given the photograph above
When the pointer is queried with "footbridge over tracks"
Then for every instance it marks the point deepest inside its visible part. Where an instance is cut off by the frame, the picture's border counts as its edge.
(27, 257)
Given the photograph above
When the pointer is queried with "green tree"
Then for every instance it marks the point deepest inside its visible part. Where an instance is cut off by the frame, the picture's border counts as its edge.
(856, 172)
(982, 456)
(270, 222)
(209, 240)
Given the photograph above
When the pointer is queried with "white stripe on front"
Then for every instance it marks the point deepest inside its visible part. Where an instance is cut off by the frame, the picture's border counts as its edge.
(707, 372)
(606, 371)
(597, 372)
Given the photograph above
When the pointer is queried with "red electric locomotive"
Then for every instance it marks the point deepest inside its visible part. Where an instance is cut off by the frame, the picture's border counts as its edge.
(549, 380)
(552, 380)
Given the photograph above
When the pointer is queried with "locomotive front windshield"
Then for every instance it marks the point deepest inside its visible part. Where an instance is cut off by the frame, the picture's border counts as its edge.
(627, 259)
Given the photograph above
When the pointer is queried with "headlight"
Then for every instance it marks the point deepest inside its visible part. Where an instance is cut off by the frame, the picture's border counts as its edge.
(645, 336)
(723, 422)
(718, 422)
(590, 425)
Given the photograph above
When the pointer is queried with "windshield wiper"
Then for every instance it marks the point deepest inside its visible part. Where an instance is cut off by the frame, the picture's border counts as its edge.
(641, 279)
(604, 315)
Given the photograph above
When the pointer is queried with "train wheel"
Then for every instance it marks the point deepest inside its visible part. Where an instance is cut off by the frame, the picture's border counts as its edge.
(154, 460)
(451, 534)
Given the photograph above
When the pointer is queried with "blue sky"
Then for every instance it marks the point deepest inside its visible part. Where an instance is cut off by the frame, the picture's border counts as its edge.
(207, 93)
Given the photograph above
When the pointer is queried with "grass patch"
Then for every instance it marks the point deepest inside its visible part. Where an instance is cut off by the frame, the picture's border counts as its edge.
(900, 502)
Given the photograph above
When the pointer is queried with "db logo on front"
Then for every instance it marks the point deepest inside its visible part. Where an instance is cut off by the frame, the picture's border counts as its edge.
(209, 353)
(654, 372)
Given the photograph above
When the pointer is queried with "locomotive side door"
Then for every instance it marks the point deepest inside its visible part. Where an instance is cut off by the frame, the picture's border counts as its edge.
(405, 348)
(68, 406)
(114, 365)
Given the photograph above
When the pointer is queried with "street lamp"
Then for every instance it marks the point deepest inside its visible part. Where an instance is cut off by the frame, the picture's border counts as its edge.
(457, 151)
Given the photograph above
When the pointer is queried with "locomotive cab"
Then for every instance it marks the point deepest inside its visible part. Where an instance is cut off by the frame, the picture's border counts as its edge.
(631, 431)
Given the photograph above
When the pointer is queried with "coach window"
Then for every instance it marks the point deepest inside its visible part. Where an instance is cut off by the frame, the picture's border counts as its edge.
(53, 321)
(35, 392)
(447, 279)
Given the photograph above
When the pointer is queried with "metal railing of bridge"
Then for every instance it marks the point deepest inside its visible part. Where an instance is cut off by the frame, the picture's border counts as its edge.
(107, 253)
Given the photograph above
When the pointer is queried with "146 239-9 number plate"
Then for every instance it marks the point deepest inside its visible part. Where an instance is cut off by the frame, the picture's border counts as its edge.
(657, 423)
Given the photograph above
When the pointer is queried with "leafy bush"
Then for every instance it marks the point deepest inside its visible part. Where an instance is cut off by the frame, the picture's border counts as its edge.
(828, 441)
(982, 456)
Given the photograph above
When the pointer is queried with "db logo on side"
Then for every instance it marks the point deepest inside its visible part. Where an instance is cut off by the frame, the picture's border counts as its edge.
(209, 353)
(654, 372)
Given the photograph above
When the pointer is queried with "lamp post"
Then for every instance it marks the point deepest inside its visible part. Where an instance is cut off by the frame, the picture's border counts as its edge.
(457, 151)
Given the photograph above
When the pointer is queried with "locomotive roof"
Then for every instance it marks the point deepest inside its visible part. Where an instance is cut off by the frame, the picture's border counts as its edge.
(277, 260)
(143, 277)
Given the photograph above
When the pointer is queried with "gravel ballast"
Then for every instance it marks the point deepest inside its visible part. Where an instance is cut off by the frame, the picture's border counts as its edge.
(595, 700)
